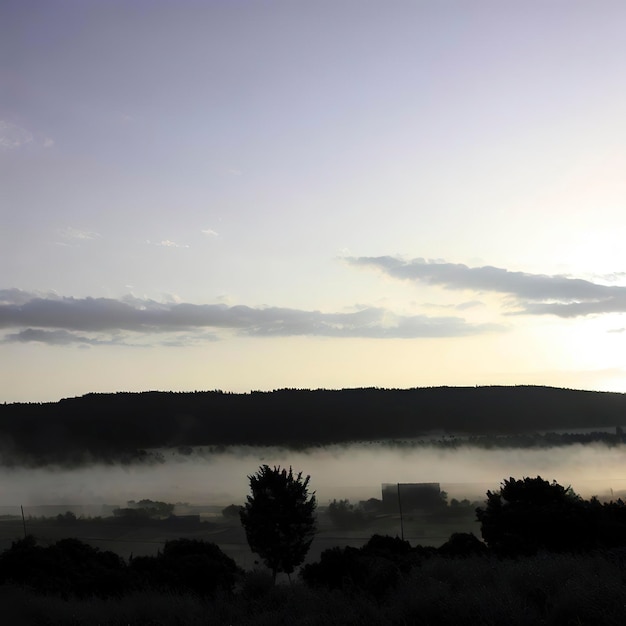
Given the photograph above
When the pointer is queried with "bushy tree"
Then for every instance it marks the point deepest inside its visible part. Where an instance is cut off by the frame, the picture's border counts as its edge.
(232, 511)
(279, 518)
(375, 568)
(345, 515)
(531, 514)
(188, 565)
(69, 568)
(462, 545)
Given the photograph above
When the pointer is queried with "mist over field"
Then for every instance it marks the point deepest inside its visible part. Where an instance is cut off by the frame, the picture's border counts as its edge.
(200, 447)
(351, 471)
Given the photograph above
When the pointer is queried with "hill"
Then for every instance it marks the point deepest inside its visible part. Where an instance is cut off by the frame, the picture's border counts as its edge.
(121, 426)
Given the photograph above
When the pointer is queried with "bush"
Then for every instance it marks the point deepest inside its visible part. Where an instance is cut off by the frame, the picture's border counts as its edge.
(256, 584)
(373, 569)
(68, 567)
(188, 565)
(463, 545)
(344, 515)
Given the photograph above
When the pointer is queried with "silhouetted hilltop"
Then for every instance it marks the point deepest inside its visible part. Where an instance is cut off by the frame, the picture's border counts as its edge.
(120, 426)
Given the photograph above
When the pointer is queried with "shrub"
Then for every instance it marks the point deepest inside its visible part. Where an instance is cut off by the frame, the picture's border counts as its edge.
(373, 569)
(463, 545)
(344, 515)
(188, 565)
(68, 567)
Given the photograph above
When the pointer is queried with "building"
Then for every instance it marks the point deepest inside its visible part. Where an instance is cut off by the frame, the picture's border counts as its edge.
(414, 497)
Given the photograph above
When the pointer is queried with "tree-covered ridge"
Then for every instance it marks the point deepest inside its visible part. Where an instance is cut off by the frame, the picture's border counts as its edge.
(114, 427)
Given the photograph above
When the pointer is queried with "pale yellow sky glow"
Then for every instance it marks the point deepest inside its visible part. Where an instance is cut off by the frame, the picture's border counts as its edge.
(271, 200)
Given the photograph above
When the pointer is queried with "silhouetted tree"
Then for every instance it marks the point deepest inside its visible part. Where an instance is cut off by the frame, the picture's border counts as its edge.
(345, 515)
(68, 568)
(279, 518)
(232, 511)
(374, 568)
(187, 565)
(152, 508)
(66, 518)
(531, 514)
(463, 545)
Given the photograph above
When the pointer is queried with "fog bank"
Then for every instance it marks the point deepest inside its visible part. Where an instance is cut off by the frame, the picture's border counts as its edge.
(355, 472)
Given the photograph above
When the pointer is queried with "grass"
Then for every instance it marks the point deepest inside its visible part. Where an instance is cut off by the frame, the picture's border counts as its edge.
(553, 590)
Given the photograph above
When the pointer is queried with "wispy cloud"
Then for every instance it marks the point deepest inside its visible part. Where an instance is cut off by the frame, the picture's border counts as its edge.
(613, 277)
(75, 235)
(50, 337)
(17, 297)
(13, 136)
(535, 294)
(35, 316)
(470, 304)
(228, 172)
(210, 232)
(168, 243)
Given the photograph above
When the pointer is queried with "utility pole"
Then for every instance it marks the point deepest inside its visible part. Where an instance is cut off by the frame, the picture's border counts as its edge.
(23, 521)
(401, 520)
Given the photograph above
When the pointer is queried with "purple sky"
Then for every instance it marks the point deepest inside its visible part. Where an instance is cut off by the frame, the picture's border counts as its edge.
(255, 195)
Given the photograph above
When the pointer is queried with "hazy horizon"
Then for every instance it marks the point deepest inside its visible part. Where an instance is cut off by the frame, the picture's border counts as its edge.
(353, 471)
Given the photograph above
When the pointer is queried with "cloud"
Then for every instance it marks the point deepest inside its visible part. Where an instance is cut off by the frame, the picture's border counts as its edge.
(210, 232)
(613, 277)
(167, 243)
(470, 304)
(18, 296)
(230, 172)
(76, 234)
(13, 136)
(534, 294)
(51, 337)
(39, 316)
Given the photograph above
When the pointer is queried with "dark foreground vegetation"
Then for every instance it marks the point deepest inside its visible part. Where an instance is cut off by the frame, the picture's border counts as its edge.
(547, 557)
(560, 589)
(124, 426)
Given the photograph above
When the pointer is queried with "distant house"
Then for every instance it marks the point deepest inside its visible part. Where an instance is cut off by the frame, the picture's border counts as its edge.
(414, 497)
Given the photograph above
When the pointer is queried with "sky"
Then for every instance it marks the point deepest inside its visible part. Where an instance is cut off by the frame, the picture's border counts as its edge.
(247, 195)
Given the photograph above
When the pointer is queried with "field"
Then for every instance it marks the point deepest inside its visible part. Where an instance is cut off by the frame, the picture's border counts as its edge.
(146, 539)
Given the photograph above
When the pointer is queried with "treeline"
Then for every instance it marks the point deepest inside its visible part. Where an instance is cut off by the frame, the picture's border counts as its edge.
(121, 427)
(517, 441)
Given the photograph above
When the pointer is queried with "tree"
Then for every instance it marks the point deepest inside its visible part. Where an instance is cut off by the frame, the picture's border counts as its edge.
(232, 511)
(279, 518)
(345, 515)
(533, 514)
